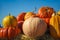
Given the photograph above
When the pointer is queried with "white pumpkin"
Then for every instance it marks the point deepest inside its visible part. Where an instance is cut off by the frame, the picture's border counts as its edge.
(34, 27)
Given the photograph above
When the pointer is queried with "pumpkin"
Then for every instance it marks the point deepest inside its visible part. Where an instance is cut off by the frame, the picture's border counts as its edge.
(44, 12)
(34, 27)
(20, 17)
(55, 26)
(28, 14)
(9, 32)
(46, 20)
(9, 21)
(20, 23)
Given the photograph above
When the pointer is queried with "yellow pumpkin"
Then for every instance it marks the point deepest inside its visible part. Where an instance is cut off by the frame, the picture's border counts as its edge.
(55, 26)
(28, 15)
(9, 21)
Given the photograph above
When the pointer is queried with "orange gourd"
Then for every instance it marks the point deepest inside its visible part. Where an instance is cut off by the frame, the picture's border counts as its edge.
(45, 12)
(9, 32)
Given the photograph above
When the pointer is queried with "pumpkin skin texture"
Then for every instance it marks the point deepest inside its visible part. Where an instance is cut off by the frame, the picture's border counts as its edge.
(34, 27)
(28, 14)
(55, 26)
(47, 20)
(9, 21)
(44, 12)
(20, 23)
(9, 32)
(5, 32)
(20, 17)
(1, 33)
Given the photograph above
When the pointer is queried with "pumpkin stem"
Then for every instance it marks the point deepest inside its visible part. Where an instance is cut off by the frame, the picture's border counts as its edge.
(10, 19)
(34, 9)
(9, 14)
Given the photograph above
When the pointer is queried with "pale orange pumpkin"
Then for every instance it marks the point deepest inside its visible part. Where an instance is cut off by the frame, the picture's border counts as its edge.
(34, 27)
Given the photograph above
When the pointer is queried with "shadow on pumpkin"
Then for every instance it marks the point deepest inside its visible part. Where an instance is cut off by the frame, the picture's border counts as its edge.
(53, 32)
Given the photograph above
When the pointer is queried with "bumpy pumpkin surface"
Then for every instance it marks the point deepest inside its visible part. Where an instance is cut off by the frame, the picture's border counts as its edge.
(55, 26)
(9, 21)
(10, 32)
(20, 23)
(34, 27)
(45, 12)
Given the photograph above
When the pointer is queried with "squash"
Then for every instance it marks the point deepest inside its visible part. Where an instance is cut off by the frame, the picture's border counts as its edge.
(9, 32)
(28, 15)
(34, 27)
(9, 21)
(20, 17)
(55, 26)
(45, 12)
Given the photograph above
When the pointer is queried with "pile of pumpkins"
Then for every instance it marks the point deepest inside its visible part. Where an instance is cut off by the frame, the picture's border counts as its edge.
(32, 24)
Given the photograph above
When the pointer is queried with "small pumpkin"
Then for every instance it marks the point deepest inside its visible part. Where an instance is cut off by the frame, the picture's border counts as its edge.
(9, 21)
(28, 15)
(34, 27)
(20, 17)
(44, 12)
(55, 26)
(9, 32)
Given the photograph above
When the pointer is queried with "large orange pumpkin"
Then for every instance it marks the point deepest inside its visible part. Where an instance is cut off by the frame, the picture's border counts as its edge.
(44, 12)
(9, 32)
(20, 17)
(34, 27)
(55, 26)
(9, 21)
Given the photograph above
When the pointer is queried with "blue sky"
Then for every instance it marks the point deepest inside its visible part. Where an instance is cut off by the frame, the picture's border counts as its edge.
(17, 6)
